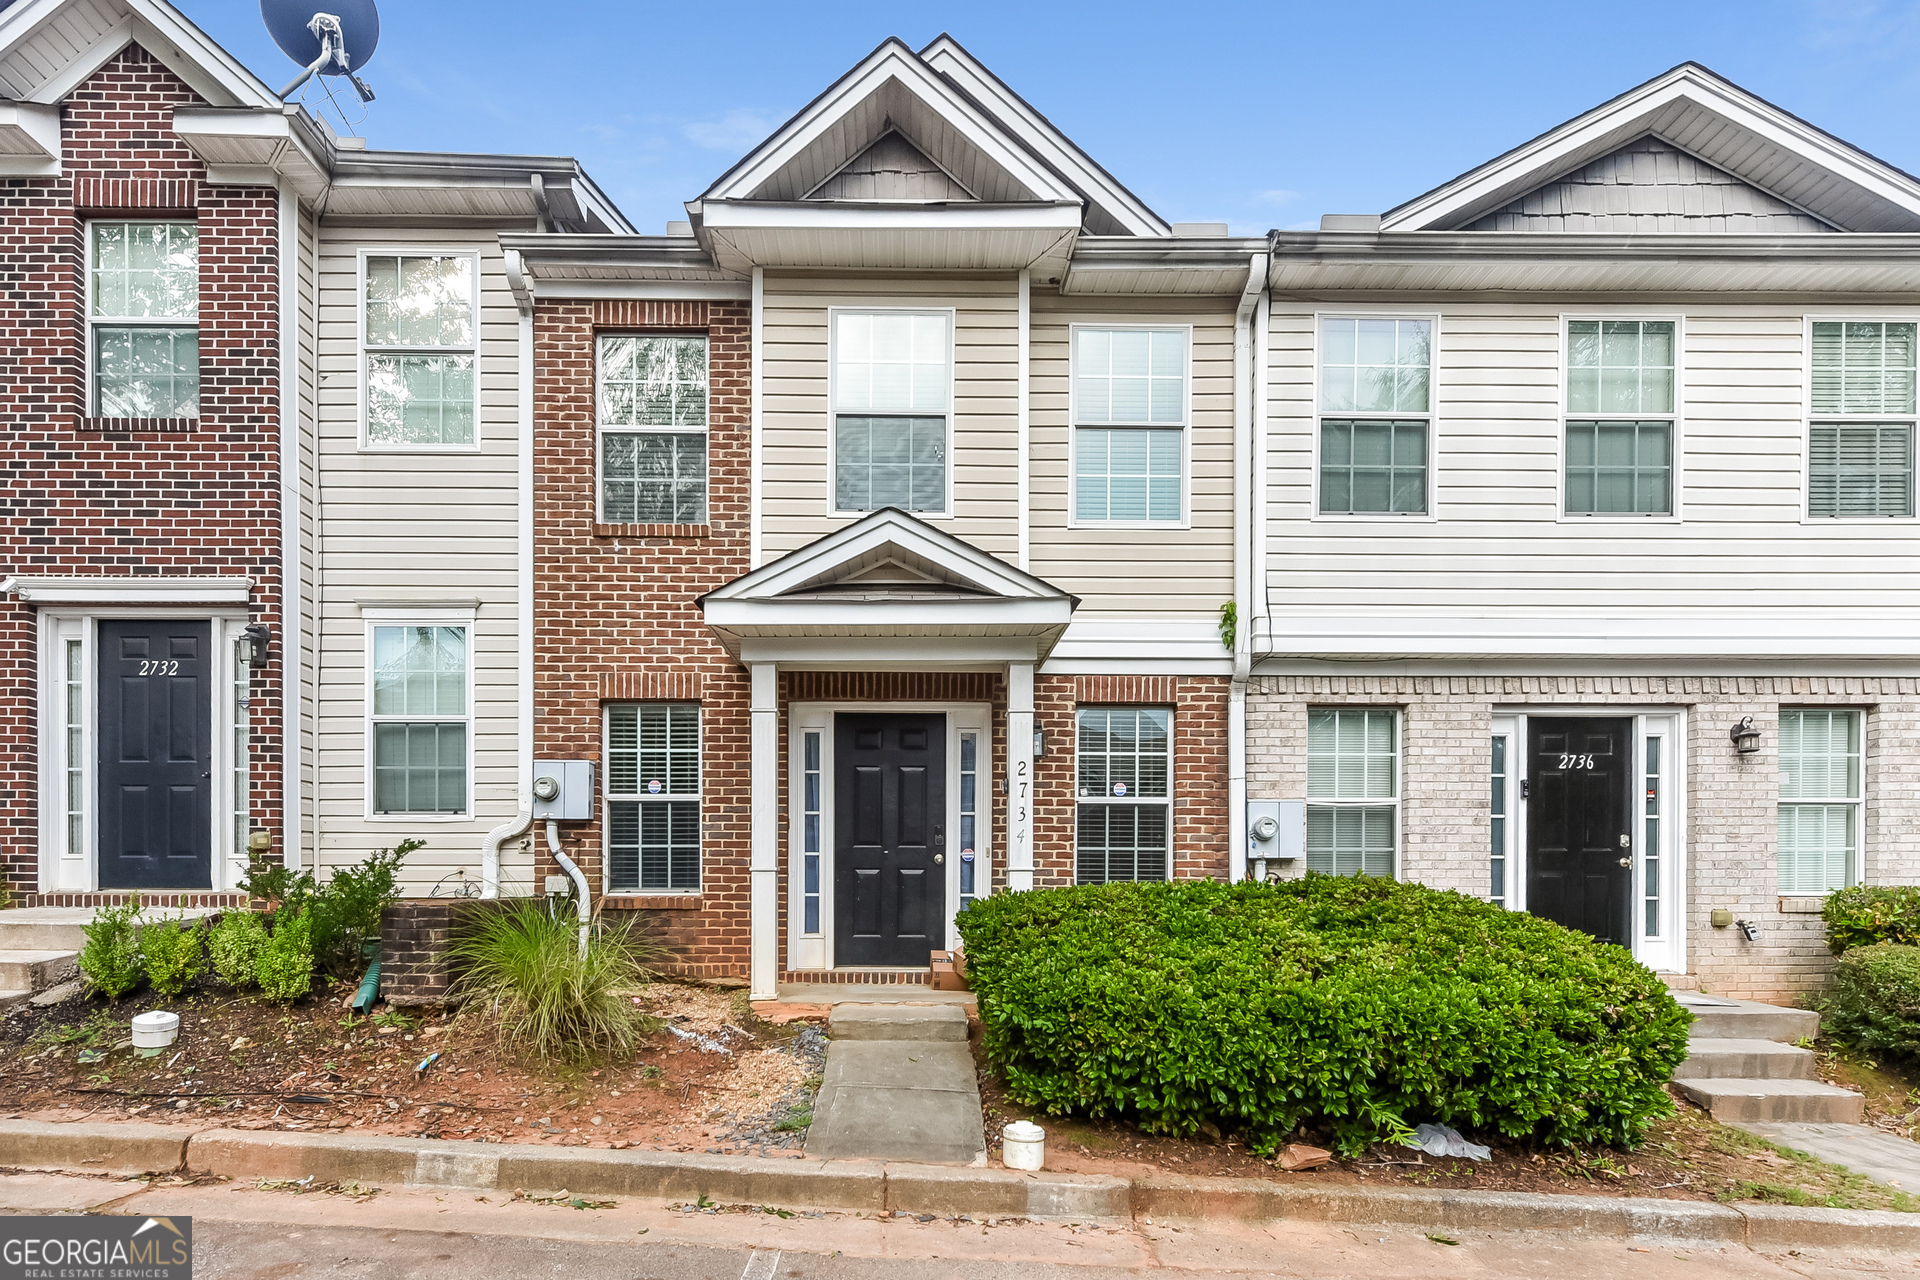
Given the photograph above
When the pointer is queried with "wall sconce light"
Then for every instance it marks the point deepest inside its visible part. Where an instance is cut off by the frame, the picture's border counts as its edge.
(1746, 738)
(253, 644)
(1039, 743)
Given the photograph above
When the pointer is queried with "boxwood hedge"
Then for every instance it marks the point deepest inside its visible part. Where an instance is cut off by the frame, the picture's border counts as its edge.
(1358, 1005)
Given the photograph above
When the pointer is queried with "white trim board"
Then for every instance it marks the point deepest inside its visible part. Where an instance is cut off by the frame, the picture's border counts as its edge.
(120, 589)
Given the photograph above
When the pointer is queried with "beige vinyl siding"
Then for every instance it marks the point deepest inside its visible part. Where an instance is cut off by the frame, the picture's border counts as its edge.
(796, 416)
(417, 527)
(1136, 571)
(1497, 541)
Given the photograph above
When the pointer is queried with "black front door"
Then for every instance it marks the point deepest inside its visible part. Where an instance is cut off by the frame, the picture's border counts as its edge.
(156, 755)
(890, 811)
(1579, 847)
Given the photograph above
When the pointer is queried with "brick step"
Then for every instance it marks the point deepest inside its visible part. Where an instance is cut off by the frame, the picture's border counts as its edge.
(1717, 1059)
(34, 970)
(1793, 1101)
(1721, 1018)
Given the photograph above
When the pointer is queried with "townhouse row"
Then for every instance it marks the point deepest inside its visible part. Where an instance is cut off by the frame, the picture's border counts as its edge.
(924, 517)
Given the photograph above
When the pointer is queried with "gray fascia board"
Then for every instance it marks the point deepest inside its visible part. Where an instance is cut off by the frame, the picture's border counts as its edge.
(1511, 246)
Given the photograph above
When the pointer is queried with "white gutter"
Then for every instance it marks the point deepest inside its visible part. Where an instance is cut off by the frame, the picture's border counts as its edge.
(292, 597)
(1243, 488)
(755, 417)
(517, 826)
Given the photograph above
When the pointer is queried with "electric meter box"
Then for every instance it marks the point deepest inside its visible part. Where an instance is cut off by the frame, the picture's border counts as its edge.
(563, 791)
(1289, 838)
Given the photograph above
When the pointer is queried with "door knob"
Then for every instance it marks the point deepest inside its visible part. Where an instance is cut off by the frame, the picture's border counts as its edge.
(1626, 862)
(939, 857)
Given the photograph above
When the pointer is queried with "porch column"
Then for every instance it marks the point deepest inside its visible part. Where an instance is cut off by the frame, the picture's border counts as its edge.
(764, 900)
(1019, 776)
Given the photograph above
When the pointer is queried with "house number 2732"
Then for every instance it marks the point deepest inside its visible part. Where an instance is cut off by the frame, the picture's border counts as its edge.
(1576, 762)
(160, 667)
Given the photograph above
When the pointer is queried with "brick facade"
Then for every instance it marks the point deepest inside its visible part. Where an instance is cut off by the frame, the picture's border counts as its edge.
(133, 497)
(1731, 822)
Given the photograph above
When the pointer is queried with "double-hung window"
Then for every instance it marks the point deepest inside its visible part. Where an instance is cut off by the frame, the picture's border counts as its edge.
(419, 350)
(1130, 417)
(1620, 394)
(1860, 445)
(1819, 800)
(653, 429)
(1376, 419)
(1353, 790)
(892, 375)
(1124, 818)
(653, 797)
(420, 719)
(143, 311)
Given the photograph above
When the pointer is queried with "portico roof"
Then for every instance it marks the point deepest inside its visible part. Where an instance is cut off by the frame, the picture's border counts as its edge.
(889, 591)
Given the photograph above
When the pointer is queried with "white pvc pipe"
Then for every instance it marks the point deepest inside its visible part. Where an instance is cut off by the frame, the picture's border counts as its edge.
(512, 829)
(579, 882)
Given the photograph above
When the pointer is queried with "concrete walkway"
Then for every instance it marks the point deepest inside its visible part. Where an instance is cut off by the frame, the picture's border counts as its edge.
(1885, 1157)
(899, 1085)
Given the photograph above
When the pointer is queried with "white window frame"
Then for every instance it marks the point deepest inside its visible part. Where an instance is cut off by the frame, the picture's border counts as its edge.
(602, 429)
(371, 619)
(1184, 427)
(1504, 727)
(1169, 800)
(951, 315)
(1431, 514)
(69, 870)
(1810, 419)
(363, 352)
(1349, 802)
(1678, 417)
(810, 952)
(609, 797)
(1856, 869)
(94, 322)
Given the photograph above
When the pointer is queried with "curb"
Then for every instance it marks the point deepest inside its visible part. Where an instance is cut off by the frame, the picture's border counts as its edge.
(874, 1186)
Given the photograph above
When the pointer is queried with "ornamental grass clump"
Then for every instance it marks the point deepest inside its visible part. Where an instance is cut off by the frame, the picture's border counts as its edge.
(1359, 1006)
(173, 954)
(236, 944)
(521, 963)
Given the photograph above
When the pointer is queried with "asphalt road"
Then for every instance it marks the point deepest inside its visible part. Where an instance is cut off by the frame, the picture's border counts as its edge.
(244, 1231)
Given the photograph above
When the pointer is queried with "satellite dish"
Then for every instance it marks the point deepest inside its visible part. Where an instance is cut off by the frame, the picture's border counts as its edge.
(327, 37)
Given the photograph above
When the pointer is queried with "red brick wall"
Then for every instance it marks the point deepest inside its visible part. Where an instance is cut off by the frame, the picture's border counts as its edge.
(1199, 767)
(132, 498)
(615, 612)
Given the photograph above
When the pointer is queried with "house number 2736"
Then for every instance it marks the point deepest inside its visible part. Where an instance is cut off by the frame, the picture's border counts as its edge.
(160, 667)
(1576, 762)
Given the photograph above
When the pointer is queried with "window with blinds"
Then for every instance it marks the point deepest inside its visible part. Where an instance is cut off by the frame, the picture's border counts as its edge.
(653, 797)
(1124, 775)
(1130, 413)
(1376, 403)
(1860, 444)
(1820, 799)
(1353, 790)
(1619, 430)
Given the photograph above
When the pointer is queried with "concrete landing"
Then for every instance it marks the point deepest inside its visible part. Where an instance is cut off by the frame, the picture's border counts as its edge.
(899, 1093)
(1885, 1157)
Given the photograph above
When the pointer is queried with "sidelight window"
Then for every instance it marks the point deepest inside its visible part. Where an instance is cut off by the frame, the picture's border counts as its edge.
(1353, 790)
(420, 720)
(1820, 800)
(810, 834)
(1124, 774)
(653, 798)
(972, 869)
(419, 342)
(1619, 432)
(653, 429)
(143, 309)
(1502, 816)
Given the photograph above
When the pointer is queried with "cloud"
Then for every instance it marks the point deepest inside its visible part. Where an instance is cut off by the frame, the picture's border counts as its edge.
(1279, 195)
(734, 131)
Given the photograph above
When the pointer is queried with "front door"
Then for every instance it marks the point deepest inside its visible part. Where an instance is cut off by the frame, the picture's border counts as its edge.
(156, 755)
(890, 808)
(1579, 824)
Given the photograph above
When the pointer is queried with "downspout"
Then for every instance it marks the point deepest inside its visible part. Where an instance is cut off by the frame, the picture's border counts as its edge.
(517, 826)
(292, 596)
(579, 882)
(1242, 566)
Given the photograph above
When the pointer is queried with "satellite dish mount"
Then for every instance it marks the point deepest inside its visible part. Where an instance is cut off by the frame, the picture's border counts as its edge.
(333, 59)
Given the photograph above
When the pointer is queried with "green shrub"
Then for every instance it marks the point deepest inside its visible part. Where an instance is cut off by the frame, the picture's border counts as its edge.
(173, 955)
(110, 957)
(343, 913)
(1875, 1002)
(1866, 914)
(1358, 1004)
(285, 965)
(522, 962)
(236, 943)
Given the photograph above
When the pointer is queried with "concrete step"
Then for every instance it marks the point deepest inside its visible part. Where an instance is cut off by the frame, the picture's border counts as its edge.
(922, 1022)
(35, 970)
(1721, 1018)
(10, 998)
(64, 928)
(1792, 1101)
(1713, 1059)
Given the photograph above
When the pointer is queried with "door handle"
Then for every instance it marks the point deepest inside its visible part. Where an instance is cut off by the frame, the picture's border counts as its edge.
(1626, 862)
(939, 857)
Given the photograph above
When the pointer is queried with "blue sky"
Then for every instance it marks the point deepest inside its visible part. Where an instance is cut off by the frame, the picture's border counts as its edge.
(1261, 115)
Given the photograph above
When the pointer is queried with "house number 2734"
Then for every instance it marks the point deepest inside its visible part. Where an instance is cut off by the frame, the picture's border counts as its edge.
(1576, 762)
(160, 667)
